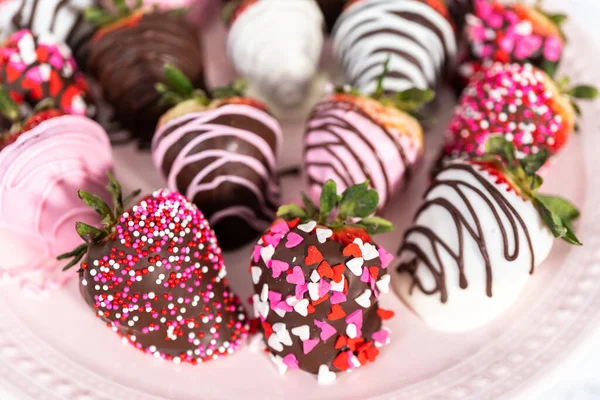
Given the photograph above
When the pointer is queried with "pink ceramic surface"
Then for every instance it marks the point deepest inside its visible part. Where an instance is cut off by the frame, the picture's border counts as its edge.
(54, 348)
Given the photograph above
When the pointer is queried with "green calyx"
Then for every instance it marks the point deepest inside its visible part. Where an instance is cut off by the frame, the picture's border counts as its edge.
(354, 209)
(101, 17)
(575, 93)
(8, 108)
(177, 88)
(110, 218)
(410, 101)
(556, 212)
(229, 10)
(557, 19)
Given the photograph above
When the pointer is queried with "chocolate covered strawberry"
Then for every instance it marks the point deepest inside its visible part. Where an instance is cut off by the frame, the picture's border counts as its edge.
(34, 68)
(155, 274)
(482, 230)
(519, 102)
(318, 278)
(352, 137)
(510, 33)
(222, 154)
(127, 56)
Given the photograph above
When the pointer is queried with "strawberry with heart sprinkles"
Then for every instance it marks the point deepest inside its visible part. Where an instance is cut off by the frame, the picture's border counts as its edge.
(155, 274)
(317, 281)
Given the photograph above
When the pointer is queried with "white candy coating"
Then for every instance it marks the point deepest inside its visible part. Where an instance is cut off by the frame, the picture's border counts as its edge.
(277, 46)
(470, 307)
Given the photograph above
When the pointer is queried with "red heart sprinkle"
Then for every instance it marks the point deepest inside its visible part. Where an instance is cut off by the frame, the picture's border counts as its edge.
(341, 362)
(319, 301)
(338, 271)
(337, 312)
(374, 271)
(341, 342)
(311, 309)
(352, 250)
(267, 328)
(385, 314)
(354, 343)
(325, 270)
(314, 256)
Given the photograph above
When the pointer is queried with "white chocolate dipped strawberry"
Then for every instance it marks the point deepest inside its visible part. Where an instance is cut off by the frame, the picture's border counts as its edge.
(479, 235)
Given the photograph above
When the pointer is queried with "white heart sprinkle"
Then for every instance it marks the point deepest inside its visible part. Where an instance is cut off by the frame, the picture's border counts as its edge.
(313, 291)
(264, 294)
(359, 242)
(314, 276)
(302, 307)
(292, 301)
(323, 234)
(355, 265)
(282, 333)
(263, 309)
(369, 252)
(383, 284)
(256, 274)
(278, 361)
(302, 331)
(308, 227)
(338, 287)
(274, 343)
(266, 253)
(325, 376)
(280, 312)
(351, 331)
(364, 300)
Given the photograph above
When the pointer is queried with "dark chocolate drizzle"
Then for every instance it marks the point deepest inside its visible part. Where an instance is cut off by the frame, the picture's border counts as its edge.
(435, 265)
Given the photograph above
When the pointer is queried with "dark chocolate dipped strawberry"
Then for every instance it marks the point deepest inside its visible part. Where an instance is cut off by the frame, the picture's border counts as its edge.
(35, 68)
(512, 33)
(155, 275)
(519, 102)
(318, 278)
(351, 137)
(127, 56)
(222, 154)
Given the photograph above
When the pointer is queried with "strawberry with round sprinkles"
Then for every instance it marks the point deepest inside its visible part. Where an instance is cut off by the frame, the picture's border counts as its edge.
(317, 280)
(482, 230)
(351, 138)
(512, 33)
(34, 68)
(155, 275)
(520, 102)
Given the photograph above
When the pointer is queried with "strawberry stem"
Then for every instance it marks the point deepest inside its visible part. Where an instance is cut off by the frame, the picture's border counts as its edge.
(110, 218)
(102, 18)
(354, 207)
(8, 108)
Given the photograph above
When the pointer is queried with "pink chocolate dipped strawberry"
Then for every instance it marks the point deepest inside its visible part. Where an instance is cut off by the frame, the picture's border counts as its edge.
(318, 280)
(155, 275)
(519, 102)
(512, 33)
(41, 168)
(351, 138)
(34, 68)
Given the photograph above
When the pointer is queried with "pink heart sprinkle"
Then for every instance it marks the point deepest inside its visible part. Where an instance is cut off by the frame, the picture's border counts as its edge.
(355, 318)
(282, 305)
(274, 298)
(300, 290)
(290, 360)
(278, 267)
(293, 240)
(381, 336)
(273, 239)
(366, 276)
(281, 227)
(323, 288)
(309, 344)
(327, 330)
(257, 253)
(385, 257)
(296, 277)
(337, 298)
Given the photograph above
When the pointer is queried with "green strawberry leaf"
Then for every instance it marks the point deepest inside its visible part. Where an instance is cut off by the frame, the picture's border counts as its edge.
(74, 253)
(292, 211)
(379, 90)
(8, 107)
(557, 19)
(177, 81)
(550, 68)
(498, 145)
(536, 182)
(91, 200)
(560, 206)
(577, 109)
(375, 225)
(358, 201)
(583, 92)
(116, 191)
(560, 228)
(89, 233)
(311, 209)
(130, 198)
(328, 200)
(533, 162)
